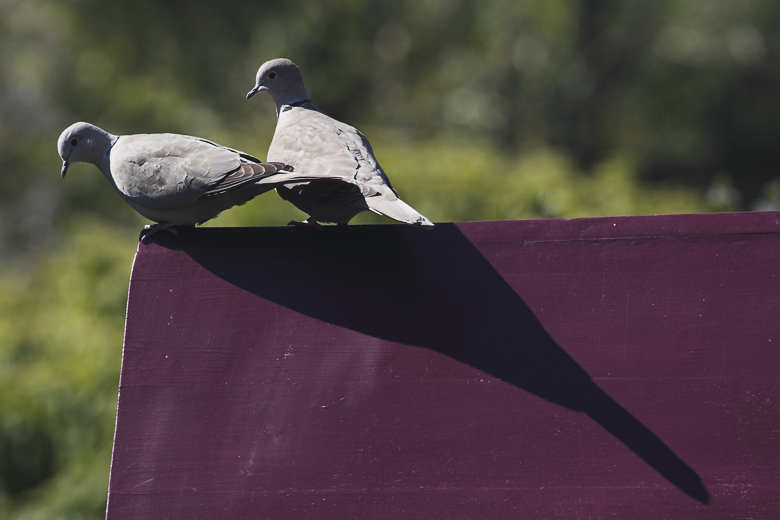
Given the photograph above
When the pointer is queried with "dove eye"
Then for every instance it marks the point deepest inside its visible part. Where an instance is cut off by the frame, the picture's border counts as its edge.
(271, 75)
(74, 142)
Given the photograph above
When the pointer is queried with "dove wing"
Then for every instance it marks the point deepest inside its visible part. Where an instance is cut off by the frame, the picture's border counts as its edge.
(316, 144)
(167, 171)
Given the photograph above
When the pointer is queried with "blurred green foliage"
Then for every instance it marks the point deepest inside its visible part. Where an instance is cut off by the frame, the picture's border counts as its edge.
(60, 351)
(489, 109)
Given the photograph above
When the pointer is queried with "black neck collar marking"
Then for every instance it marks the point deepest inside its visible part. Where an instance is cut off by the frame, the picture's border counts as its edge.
(285, 108)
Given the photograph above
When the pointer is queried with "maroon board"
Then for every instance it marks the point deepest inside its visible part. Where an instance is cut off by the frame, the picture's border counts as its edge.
(590, 368)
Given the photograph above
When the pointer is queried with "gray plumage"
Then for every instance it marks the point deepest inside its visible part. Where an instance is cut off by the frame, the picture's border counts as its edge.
(172, 179)
(312, 142)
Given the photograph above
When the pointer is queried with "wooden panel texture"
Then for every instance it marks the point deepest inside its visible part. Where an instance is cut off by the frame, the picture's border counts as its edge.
(589, 368)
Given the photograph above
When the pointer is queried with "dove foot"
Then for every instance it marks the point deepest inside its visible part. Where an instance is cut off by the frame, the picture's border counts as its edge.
(152, 229)
(313, 224)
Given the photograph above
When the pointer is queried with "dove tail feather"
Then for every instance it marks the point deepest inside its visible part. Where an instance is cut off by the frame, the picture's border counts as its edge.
(288, 177)
(246, 173)
(267, 173)
(397, 210)
(259, 171)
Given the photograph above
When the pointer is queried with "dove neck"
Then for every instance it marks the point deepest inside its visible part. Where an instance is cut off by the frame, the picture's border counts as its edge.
(103, 158)
(295, 96)
(289, 106)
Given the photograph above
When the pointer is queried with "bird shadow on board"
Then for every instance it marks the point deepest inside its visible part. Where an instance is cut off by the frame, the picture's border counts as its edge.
(426, 288)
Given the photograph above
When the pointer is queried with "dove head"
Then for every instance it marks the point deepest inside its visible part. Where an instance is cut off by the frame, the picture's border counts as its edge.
(83, 142)
(282, 79)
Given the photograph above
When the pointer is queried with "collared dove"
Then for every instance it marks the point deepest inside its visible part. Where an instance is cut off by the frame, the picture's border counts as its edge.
(311, 142)
(173, 179)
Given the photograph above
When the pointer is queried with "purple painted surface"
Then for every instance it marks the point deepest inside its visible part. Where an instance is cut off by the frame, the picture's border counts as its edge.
(591, 368)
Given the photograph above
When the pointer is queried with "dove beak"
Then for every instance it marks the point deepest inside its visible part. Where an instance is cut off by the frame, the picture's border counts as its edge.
(254, 91)
(65, 166)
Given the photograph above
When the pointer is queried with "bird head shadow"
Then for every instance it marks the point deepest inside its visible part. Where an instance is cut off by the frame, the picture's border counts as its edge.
(431, 289)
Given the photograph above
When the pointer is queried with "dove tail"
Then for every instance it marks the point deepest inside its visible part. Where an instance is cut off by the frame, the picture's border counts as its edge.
(247, 173)
(397, 210)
